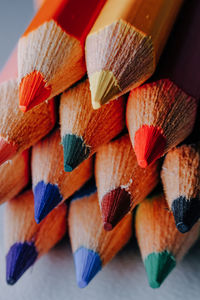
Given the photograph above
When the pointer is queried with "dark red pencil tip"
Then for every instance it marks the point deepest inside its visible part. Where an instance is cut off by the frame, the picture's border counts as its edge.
(114, 206)
(149, 145)
(107, 226)
(33, 91)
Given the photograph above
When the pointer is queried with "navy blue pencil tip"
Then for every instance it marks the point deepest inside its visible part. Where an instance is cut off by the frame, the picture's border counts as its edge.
(19, 258)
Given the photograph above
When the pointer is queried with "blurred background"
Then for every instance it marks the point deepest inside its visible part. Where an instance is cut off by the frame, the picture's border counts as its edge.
(14, 17)
(53, 277)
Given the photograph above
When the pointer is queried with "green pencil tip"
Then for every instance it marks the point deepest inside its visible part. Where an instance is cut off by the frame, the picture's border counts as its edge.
(158, 265)
(75, 151)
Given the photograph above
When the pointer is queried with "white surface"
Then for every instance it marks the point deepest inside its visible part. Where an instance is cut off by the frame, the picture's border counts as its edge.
(53, 277)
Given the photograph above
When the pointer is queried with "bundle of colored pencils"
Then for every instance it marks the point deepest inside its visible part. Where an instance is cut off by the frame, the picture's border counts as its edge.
(50, 143)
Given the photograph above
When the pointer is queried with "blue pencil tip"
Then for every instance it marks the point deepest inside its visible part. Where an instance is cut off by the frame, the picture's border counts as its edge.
(87, 264)
(46, 198)
(19, 258)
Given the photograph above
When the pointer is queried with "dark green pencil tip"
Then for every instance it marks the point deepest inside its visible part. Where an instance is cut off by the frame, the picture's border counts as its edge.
(158, 266)
(75, 151)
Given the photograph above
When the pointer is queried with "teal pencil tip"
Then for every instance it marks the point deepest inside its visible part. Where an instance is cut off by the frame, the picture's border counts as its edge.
(158, 265)
(67, 168)
(75, 151)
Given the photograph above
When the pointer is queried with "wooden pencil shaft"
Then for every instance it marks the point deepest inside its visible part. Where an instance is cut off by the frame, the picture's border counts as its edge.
(86, 229)
(156, 230)
(152, 17)
(181, 173)
(23, 130)
(14, 176)
(20, 225)
(47, 156)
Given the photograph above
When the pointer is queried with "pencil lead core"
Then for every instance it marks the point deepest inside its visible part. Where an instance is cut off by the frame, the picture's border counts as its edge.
(87, 265)
(46, 197)
(114, 206)
(158, 265)
(186, 212)
(7, 150)
(19, 258)
(149, 145)
(107, 226)
(33, 91)
(75, 151)
(104, 87)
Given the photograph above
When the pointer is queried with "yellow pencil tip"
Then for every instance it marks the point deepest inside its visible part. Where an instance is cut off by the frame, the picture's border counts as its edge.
(104, 87)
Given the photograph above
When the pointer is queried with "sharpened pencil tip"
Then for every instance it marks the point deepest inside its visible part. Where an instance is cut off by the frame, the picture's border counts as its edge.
(33, 91)
(104, 87)
(68, 168)
(114, 206)
(107, 226)
(158, 265)
(87, 264)
(19, 258)
(149, 145)
(183, 228)
(186, 212)
(23, 108)
(75, 151)
(7, 150)
(46, 197)
(143, 163)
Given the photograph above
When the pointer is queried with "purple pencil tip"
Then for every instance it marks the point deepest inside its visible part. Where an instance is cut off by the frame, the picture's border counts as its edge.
(19, 258)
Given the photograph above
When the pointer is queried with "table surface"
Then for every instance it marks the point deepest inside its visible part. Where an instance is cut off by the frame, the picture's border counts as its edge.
(53, 277)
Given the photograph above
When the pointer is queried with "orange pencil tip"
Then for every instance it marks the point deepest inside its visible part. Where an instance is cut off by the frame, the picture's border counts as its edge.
(149, 145)
(32, 91)
(7, 150)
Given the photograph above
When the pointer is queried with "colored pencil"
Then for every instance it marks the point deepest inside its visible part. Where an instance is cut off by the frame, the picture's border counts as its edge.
(19, 131)
(125, 44)
(158, 118)
(14, 176)
(121, 183)
(51, 184)
(83, 129)
(25, 241)
(161, 244)
(161, 114)
(59, 30)
(92, 246)
(181, 180)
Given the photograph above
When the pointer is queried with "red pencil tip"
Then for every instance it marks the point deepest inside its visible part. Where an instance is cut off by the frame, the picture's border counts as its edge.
(32, 91)
(149, 145)
(7, 150)
(143, 163)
